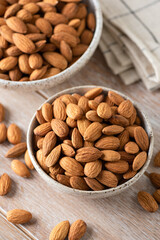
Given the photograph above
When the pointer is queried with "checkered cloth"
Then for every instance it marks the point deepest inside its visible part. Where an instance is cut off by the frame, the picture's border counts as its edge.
(131, 40)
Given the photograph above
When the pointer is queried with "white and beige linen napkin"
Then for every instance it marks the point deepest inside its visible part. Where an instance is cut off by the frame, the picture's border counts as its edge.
(131, 40)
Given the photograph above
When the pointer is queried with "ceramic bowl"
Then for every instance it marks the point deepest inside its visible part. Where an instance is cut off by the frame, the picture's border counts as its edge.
(46, 83)
(90, 194)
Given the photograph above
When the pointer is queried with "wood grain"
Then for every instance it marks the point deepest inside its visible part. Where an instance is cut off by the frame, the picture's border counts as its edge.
(114, 218)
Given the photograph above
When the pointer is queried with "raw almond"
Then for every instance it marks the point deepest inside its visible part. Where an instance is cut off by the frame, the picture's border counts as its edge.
(74, 111)
(156, 195)
(112, 130)
(43, 129)
(131, 147)
(71, 122)
(20, 168)
(66, 50)
(51, 72)
(47, 112)
(93, 132)
(5, 184)
(93, 169)
(107, 178)
(88, 154)
(4, 76)
(131, 129)
(157, 160)
(93, 104)
(28, 160)
(60, 231)
(126, 108)
(65, 28)
(59, 109)
(86, 37)
(72, 166)
(126, 156)
(91, 21)
(15, 74)
(74, 22)
(83, 104)
(119, 120)
(59, 127)
(44, 26)
(38, 73)
(8, 63)
(19, 216)
(32, 28)
(67, 98)
(32, 7)
(67, 37)
(35, 61)
(3, 42)
(81, 27)
(42, 160)
(49, 143)
(76, 139)
(46, 7)
(53, 156)
(129, 174)
(63, 179)
(40, 117)
(2, 112)
(40, 142)
(141, 138)
(68, 142)
(115, 97)
(16, 24)
(104, 110)
(119, 167)
(55, 18)
(108, 143)
(3, 133)
(12, 10)
(17, 150)
(94, 184)
(23, 63)
(7, 33)
(124, 139)
(147, 201)
(93, 116)
(78, 183)
(69, 10)
(82, 125)
(67, 150)
(23, 43)
(14, 134)
(132, 118)
(77, 230)
(88, 144)
(56, 169)
(55, 59)
(79, 49)
(139, 161)
(110, 155)
(82, 11)
(155, 179)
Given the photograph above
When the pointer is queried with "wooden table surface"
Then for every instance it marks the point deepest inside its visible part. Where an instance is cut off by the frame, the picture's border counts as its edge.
(114, 218)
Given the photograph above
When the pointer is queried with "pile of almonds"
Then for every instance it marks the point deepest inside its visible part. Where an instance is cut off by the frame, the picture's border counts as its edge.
(90, 142)
(39, 39)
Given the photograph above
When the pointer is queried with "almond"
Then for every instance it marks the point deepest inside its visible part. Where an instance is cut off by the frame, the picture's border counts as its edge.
(69, 10)
(40, 117)
(82, 125)
(78, 183)
(60, 231)
(55, 18)
(51, 72)
(72, 166)
(14, 134)
(59, 127)
(67, 37)
(43, 129)
(66, 50)
(35, 61)
(132, 118)
(55, 59)
(93, 169)
(74, 111)
(67, 98)
(56, 169)
(40, 142)
(126, 109)
(147, 201)
(112, 130)
(65, 28)
(115, 97)
(49, 143)
(74, 23)
(139, 161)
(83, 104)
(94, 184)
(126, 156)
(93, 116)
(68, 142)
(38, 73)
(104, 110)
(88, 154)
(77, 230)
(76, 138)
(4, 76)
(110, 155)
(5, 184)
(2, 112)
(67, 150)
(52, 2)
(131, 129)
(47, 111)
(155, 179)
(108, 178)
(93, 93)
(12, 10)
(119, 120)
(23, 43)
(119, 167)
(93, 132)
(131, 147)
(124, 139)
(82, 11)
(79, 49)
(17, 150)
(71, 122)
(8, 63)
(19, 216)
(3, 42)
(7, 33)
(59, 109)
(141, 138)
(3, 133)
(65, 180)
(46, 7)
(91, 22)
(86, 37)
(16, 24)
(53, 156)
(81, 27)
(24, 15)
(42, 160)
(28, 160)
(32, 28)
(88, 144)
(23, 63)
(44, 26)
(36, 37)
(15, 74)
(93, 104)
(157, 160)
(156, 195)
(108, 143)
(31, 7)
(20, 168)
(129, 174)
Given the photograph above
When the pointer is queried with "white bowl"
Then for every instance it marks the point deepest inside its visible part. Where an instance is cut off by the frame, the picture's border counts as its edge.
(90, 194)
(46, 83)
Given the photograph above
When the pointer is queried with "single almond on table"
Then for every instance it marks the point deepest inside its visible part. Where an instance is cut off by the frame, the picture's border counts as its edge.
(71, 166)
(19, 216)
(49, 143)
(147, 201)
(88, 154)
(139, 161)
(78, 183)
(155, 179)
(60, 231)
(20, 168)
(156, 195)
(5, 184)
(157, 160)
(17, 150)
(3, 132)
(107, 178)
(14, 134)
(28, 160)
(77, 230)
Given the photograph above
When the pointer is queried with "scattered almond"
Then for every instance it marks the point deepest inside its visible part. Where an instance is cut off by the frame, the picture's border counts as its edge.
(77, 230)
(17, 150)
(14, 134)
(19, 216)
(147, 201)
(20, 168)
(5, 184)
(60, 231)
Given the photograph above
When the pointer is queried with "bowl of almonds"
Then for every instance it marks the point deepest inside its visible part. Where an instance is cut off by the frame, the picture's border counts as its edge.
(45, 42)
(90, 141)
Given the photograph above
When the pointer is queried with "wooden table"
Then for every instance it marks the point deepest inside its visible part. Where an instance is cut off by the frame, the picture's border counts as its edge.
(115, 218)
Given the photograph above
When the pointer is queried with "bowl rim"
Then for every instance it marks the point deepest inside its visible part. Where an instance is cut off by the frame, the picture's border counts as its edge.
(63, 188)
(68, 72)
